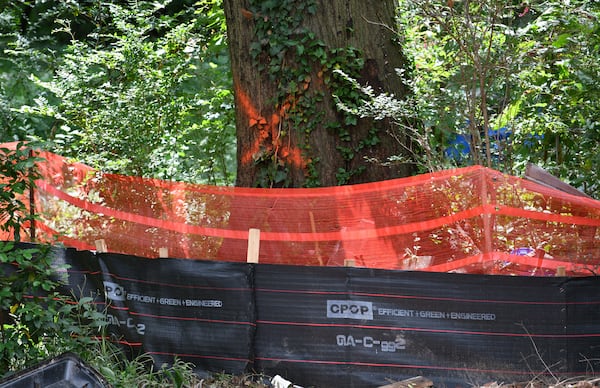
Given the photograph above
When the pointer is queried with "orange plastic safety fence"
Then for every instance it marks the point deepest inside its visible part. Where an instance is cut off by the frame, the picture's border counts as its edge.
(472, 220)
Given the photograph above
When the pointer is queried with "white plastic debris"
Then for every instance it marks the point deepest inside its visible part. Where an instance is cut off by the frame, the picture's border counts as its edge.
(279, 382)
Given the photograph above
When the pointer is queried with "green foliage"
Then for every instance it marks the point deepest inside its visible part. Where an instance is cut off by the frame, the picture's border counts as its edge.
(557, 96)
(17, 177)
(142, 88)
(37, 321)
(293, 57)
(26, 47)
(480, 66)
(285, 51)
(426, 152)
(140, 371)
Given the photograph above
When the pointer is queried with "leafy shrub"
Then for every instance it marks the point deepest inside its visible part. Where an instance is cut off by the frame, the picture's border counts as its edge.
(17, 176)
(36, 320)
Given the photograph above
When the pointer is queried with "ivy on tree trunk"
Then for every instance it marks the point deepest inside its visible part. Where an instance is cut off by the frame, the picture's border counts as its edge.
(289, 130)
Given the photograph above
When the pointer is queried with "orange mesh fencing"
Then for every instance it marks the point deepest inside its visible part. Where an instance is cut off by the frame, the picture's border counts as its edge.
(470, 220)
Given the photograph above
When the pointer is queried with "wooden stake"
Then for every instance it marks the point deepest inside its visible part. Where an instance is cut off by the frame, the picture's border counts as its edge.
(163, 252)
(487, 217)
(349, 263)
(101, 246)
(253, 245)
(561, 271)
(32, 206)
(314, 230)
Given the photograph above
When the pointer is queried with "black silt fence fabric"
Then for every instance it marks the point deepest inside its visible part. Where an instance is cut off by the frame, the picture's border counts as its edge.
(332, 327)
(343, 327)
(583, 324)
(200, 312)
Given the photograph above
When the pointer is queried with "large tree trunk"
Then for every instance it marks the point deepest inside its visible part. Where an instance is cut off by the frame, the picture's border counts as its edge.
(283, 53)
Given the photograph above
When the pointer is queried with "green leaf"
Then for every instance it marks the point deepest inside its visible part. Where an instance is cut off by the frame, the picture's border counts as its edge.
(561, 40)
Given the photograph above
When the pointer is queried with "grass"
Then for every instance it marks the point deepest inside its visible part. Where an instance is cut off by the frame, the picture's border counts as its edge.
(141, 372)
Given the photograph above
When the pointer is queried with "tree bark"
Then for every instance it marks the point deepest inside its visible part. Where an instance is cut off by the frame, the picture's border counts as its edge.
(301, 139)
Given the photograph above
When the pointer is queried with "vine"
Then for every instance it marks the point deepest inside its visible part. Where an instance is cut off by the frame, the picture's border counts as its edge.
(291, 56)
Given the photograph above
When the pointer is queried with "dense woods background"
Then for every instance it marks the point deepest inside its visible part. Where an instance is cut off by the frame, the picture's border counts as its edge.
(145, 88)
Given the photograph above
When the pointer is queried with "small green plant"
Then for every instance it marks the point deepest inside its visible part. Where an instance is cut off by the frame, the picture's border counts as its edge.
(17, 175)
(221, 380)
(140, 371)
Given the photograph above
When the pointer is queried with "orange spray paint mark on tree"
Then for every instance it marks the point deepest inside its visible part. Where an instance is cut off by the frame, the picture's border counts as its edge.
(267, 140)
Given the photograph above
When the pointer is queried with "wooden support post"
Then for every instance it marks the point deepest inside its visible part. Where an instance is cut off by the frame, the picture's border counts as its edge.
(487, 217)
(314, 230)
(101, 246)
(163, 252)
(349, 263)
(32, 206)
(253, 245)
(561, 271)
